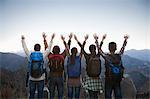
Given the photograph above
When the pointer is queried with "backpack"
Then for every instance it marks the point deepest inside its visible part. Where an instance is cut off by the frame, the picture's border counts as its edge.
(116, 69)
(94, 67)
(114, 65)
(56, 63)
(36, 64)
(74, 70)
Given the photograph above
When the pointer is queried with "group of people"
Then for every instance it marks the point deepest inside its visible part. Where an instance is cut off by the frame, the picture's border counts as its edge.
(52, 72)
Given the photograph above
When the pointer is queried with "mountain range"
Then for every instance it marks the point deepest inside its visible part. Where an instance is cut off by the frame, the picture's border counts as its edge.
(139, 54)
(131, 60)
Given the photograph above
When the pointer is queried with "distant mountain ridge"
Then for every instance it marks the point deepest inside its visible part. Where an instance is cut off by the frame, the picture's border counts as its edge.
(11, 61)
(139, 54)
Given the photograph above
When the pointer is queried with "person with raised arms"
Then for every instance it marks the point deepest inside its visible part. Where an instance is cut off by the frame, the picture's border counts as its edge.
(114, 69)
(36, 69)
(92, 81)
(56, 66)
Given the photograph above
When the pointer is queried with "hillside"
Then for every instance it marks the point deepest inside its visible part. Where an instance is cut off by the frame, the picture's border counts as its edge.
(13, 70)
(12, 61)
(12, 85)
(138, 78)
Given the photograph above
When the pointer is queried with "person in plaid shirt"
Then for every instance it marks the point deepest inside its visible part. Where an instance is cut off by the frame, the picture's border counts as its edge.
(92, 84)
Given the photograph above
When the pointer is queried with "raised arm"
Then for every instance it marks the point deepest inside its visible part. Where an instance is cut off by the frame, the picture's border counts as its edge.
(67, 45)
(124, 44)
(101, 43)
(45, 41)
(25, 47)
(66, 51)
(48, 49)
(82, 45)
(69, 41)
(96, 41)
(103, 38)
(100, 47)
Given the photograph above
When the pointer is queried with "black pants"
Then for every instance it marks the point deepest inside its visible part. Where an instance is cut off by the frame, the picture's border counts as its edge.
(93, 94)
(114, 86)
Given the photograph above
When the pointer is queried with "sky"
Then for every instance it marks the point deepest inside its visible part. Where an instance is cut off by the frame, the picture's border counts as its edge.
(112, 17)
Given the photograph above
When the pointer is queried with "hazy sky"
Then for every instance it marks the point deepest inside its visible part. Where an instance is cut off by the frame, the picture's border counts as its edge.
(113, 17)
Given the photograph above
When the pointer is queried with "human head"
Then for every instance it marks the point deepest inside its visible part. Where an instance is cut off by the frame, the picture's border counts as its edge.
(56, 49)
(37, 47)
(112, 47)
(74, 51)
(92, 48)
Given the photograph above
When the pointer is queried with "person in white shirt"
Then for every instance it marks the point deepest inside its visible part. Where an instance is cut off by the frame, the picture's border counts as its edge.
(36, 78)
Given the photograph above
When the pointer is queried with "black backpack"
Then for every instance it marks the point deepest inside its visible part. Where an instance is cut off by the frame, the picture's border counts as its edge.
(93, 67)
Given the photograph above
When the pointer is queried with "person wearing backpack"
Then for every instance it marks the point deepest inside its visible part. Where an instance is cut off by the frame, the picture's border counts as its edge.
(56, 66)
(73, 72)
(93, 68)
(114, 69)
(36, 69)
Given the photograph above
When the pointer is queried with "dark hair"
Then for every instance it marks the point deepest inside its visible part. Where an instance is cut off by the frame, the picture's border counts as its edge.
(112, 46)
(37, 47)
(74, 50)
(73, 54)
(56, 49)
(92, 47)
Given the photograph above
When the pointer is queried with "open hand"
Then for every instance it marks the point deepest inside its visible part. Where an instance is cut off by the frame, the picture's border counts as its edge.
(95, 36)
(44, 35)
(126, 36)
(86, 37)
(104, 36)
(70, 36)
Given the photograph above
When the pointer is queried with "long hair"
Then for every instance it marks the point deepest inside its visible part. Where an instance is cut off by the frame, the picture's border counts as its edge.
(73, 55)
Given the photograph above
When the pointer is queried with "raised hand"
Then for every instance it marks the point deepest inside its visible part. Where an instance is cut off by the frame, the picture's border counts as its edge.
(104, 36)
(124, 44)
(126, 36)
(70, 36)
(22, 37)
(44, 35)
(95, 36)
(86, 37)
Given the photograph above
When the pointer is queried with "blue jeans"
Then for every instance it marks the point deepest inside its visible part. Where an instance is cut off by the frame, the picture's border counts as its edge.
(109, 87)
(75, 91)
(39, 85)
(56, 82)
